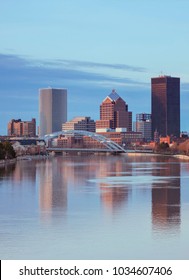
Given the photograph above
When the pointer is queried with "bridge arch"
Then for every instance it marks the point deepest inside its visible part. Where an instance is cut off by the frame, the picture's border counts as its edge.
(108, 144)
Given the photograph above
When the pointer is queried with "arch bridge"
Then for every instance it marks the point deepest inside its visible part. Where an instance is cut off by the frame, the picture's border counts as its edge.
(109, 145)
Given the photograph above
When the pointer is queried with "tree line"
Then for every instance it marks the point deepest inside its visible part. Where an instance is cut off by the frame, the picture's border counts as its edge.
(6, 150)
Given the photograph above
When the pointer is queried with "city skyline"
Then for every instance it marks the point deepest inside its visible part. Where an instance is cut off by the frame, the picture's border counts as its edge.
(90, 48)
(45, 104)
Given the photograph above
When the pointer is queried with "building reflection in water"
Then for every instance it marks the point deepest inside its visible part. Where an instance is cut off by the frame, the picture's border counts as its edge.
(24, 171)
(113, 196)
(52, 187)
(57, 176)
(113, 177)
(80, 169)
(7, 171)
(166, 198)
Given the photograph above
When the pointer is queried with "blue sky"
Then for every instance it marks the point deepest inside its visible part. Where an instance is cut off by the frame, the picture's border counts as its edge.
(90, 47)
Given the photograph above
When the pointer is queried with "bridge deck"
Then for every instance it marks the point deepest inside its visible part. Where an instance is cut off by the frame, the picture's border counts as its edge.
(83, 150)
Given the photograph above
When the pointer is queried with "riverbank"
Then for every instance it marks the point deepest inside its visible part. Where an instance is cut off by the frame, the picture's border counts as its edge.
(32, 157)
(181, 157)
(147, 154)
(159, 154)
(5, 162)
(140, 154)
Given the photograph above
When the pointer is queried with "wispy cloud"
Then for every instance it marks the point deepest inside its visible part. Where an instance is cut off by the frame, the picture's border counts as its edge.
(61, 69)
(21, 77)
(88, 64)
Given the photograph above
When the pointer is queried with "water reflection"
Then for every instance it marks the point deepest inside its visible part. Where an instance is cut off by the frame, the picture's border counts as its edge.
(113, 197)
(23, 172)
(166, 198)
(6, 171)
(52, 186)
(58, 177)
(114, 178)
(121, 204)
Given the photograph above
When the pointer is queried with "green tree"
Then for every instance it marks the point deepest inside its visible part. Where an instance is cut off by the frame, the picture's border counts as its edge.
(7, 151)
(2, 151)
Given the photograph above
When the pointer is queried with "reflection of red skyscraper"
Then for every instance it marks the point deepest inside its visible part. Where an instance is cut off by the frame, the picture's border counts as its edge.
(114, 113)
(166, 197)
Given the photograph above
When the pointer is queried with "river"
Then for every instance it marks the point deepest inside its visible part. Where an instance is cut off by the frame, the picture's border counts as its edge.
(95, 207)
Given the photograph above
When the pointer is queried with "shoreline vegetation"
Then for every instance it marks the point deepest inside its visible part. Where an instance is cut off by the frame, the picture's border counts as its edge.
(5, 162)
(7, 153)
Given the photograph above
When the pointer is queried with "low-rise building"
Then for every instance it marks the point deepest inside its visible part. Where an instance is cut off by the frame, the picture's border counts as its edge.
(21, 128)
(123, 138)
(143, 124)
(80, 123)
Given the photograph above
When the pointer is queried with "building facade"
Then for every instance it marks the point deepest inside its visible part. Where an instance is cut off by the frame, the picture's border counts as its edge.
(21, 128)
(52, 110)
(80, 123)
(143, 124)
(123, 138)
(165, 93)
(114, 113)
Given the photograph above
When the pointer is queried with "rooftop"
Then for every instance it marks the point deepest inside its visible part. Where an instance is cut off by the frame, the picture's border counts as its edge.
(113, 96)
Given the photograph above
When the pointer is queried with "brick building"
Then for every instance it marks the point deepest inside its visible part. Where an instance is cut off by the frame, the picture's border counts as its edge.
(114, 113)
(21, 128)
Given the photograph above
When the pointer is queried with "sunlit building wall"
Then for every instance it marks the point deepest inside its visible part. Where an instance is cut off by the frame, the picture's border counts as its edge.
(22, 128)
(80, 123)
(114, 113)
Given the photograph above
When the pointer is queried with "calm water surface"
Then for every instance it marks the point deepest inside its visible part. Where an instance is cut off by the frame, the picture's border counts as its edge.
(95, 207)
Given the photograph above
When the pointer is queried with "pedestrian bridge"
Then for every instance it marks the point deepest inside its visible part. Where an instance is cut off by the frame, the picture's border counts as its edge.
(109, 145)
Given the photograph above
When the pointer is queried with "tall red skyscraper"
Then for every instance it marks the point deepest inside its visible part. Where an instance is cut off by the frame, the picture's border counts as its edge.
(166, 106)
(114, 113)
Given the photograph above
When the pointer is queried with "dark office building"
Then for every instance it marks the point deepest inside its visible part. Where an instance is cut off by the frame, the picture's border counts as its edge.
(166, 106)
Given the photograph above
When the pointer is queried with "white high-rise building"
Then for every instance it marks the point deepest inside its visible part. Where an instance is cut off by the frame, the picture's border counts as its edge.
(52, 110)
